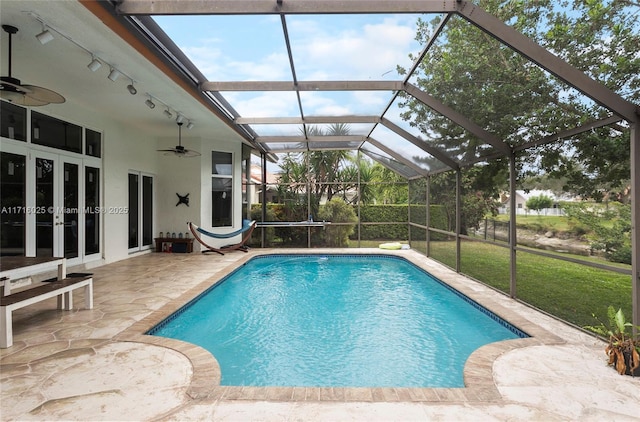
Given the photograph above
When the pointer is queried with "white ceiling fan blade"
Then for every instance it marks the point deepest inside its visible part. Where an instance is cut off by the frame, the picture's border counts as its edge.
(13, 84)
(44, 94)
(21, 98)
(29, 95)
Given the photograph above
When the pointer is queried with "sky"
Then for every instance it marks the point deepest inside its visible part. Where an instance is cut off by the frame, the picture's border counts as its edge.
(324, 47)
(335, 47)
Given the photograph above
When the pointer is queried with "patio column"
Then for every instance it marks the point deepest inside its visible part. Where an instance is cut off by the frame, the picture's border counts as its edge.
(635, 221)
(263, 155)
(359, 199)
(513, 238)
(409, 211)
(308, 157)
(428, 215)
(458, 215)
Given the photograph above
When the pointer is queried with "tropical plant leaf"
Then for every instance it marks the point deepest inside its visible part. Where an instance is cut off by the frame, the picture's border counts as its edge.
(635, 360)
(609, 350)
(620, 322)
(620, 366)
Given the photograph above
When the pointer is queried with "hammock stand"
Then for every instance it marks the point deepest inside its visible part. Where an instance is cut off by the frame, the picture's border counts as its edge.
(247, 229)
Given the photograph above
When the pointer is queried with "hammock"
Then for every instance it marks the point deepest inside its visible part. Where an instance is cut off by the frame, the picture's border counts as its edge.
(246, 230)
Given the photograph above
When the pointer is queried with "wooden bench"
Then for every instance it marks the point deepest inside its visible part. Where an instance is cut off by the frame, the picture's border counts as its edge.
(63, 289)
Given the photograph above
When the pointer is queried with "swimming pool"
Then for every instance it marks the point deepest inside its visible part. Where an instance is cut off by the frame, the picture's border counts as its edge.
(336, 321)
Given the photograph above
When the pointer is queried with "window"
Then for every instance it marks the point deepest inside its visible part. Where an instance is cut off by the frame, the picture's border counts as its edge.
(93, 143)
(12, 203)
(55, 133)
(140, 211)
(92, 214)
(13, 121)
(221, 189)
(247, 185)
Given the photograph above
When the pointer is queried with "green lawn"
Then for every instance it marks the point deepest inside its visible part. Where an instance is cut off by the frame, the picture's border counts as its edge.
(569, 291)
(538, 222)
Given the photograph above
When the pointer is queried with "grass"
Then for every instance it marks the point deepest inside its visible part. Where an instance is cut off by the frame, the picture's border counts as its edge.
(572, 292)
(538, 222)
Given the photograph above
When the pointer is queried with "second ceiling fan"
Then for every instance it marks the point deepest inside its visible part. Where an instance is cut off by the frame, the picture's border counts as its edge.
(179, 150)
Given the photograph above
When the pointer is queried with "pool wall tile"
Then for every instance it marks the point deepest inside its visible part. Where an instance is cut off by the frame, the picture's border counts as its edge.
(357, 394)
(280, 393)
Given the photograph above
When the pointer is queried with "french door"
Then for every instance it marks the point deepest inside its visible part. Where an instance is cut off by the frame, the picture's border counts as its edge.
(141, 213)
(57, 219)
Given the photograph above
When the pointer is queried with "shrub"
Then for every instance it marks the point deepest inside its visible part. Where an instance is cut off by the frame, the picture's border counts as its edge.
(337, 211)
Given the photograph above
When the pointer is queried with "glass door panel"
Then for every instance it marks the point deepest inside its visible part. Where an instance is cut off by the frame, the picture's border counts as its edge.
(147, 210)
(45, 193)
(57, 204)
(71, 214)
(133, 211)
(140, 211)
(12, 204)
(91, 213)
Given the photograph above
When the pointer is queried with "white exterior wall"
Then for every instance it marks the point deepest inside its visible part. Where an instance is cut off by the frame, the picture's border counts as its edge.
(177, 176)
(204, 221)
(127, 148)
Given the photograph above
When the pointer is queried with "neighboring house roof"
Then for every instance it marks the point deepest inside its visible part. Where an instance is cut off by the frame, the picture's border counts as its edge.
(256, 175)
(526, 195)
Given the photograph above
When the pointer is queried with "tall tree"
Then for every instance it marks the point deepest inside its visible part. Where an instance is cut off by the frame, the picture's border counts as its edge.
(319, 173)
(513, 98)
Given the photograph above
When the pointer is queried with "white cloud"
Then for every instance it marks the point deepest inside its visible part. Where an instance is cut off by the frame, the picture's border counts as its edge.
(364, 52)
(336, 47)
(268, 104)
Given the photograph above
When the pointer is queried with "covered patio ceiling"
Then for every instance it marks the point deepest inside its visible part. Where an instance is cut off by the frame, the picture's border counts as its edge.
(378, 131)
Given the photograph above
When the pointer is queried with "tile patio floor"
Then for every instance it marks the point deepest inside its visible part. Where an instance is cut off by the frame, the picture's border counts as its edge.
(97, 364)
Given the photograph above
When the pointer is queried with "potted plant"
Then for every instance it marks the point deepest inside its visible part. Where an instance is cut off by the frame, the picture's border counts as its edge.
(623, 349)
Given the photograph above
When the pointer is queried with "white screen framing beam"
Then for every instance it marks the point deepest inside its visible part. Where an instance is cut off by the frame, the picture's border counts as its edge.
(397, 157)
(635, 224)
(548, 61)
(309, 120)
(458, 118)
(291, 7)
(303, 139)
(423, 145)
(303, 86)
(474, 14)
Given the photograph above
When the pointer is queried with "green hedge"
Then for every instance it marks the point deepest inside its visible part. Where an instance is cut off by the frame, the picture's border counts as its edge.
(368, 214)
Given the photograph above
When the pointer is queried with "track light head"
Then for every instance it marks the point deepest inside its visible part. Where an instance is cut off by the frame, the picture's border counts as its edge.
(45, 36)
(168, 113)
(132, 89)
(150, 103)
(190, 125)
(94, 65)
(114, 74)
(180, 119)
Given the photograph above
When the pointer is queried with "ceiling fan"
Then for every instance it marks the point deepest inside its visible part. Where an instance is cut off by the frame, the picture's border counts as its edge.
(179, 150)
(11, 89)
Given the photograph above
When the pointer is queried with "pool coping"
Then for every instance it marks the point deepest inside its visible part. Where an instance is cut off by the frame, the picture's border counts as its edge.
(478, 370)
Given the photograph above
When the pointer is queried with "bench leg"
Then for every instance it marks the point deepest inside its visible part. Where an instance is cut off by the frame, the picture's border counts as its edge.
(62, 270)
(67, 301)
(88, 296)
(6, 328)
(6, 288)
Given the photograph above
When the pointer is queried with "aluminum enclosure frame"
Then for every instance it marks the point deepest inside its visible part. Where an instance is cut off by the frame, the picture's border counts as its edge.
(618, 106)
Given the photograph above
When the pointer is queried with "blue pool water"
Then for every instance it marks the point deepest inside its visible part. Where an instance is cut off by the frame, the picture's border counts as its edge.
(336, 321)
